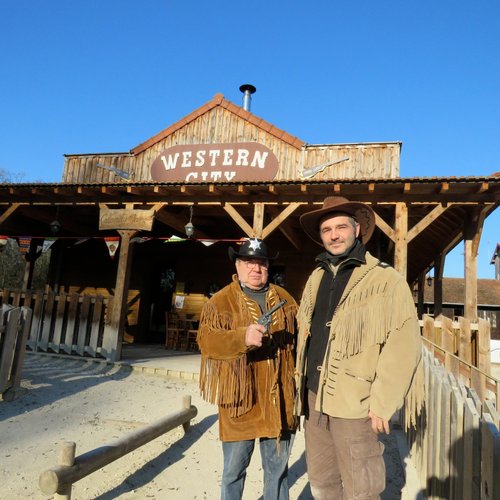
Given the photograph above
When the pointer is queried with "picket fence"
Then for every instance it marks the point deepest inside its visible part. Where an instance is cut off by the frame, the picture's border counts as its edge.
(455, 445)
(68, 323)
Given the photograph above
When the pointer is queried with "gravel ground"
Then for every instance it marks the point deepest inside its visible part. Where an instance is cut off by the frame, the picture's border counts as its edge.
(94, 403)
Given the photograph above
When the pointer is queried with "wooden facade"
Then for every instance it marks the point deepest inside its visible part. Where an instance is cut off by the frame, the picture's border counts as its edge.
(419, 220)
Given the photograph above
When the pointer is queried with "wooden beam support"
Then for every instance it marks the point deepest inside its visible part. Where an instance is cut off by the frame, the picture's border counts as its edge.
(401, 229)
(385, 228)
(425, 222)
(279, 219)
(9, 212)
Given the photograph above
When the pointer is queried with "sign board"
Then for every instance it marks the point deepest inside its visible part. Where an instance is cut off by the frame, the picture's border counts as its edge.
(141, 220)
(231, 162)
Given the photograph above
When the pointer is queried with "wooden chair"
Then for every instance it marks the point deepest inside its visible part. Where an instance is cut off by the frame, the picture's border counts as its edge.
(174, 330)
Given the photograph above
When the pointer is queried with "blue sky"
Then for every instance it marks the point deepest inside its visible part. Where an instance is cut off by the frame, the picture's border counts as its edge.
(104, 76)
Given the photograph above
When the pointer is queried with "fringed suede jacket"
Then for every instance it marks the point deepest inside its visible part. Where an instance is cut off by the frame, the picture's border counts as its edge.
(254, 388)
(373, 350)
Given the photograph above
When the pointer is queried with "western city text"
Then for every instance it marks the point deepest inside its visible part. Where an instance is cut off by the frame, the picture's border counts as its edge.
(215, 158)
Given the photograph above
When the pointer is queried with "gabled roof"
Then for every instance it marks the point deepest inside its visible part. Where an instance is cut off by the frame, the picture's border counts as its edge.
(219, 100)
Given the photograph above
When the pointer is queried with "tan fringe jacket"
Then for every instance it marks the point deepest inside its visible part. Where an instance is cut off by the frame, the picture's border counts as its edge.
(253, 387)
(374, 346)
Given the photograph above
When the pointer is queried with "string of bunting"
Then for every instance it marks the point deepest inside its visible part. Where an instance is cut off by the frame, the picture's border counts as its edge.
(112, 242)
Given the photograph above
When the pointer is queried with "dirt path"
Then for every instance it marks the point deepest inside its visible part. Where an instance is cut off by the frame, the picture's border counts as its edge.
(94, 403)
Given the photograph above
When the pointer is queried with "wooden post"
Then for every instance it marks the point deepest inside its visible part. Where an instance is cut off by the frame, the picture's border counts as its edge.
(30, 257)
(113, 332)
(438, 285)
(420, 296)
(258, 219)
(401, 229)
(473, 226)
(66, 458)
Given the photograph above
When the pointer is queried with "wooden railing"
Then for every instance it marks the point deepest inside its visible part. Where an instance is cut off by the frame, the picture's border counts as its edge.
(67, 322)
(455, 446)
(461, 345)
(59, 479)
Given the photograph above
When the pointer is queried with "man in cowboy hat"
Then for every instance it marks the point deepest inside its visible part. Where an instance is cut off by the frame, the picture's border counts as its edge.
(248, 371)
(358, 349)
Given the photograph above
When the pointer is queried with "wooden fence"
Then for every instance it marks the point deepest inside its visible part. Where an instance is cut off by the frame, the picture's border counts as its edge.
(455, 446)
(67, 322)
(462, 345)
(15, 324)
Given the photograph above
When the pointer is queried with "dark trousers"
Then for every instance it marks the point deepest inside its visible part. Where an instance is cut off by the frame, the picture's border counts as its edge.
(344, 457)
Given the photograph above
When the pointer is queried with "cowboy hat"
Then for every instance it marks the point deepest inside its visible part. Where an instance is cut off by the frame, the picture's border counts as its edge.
(252, 248)
(363, 214)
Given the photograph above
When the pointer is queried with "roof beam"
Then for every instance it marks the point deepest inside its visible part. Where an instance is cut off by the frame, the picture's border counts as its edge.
(8, 212)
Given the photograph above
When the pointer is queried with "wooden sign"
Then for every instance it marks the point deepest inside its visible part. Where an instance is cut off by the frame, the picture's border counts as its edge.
(141, 220)
(231, 162)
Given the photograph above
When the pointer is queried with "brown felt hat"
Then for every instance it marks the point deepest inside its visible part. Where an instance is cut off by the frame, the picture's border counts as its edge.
(364, 214)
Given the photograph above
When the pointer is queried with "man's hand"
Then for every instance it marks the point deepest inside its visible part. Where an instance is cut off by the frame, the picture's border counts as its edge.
(254, 334)
(379, 424)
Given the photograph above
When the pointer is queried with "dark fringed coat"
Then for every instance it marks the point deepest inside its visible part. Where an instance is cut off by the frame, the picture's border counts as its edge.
(254, 388)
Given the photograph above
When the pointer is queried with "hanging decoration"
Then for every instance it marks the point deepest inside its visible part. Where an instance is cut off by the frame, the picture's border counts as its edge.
(3, 242)
(24, 244)
(112, 242)
(207, 243)
(47, 243)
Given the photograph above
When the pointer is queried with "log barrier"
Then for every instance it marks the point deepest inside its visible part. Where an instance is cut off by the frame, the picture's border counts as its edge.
(58, 480)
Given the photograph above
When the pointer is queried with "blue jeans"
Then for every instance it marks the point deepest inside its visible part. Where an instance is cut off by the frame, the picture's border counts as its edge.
(237, 455)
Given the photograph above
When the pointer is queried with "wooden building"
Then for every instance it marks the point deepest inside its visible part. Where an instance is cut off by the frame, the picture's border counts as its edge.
(452, 306)
(230, 174)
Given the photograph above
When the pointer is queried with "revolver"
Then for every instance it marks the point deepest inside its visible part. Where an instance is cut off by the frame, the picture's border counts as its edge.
(266, 318)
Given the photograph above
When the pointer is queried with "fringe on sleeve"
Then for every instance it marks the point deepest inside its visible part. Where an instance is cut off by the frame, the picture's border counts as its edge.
(414, 400)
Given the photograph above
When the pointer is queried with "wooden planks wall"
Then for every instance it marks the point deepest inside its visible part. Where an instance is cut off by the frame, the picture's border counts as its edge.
(219, 125)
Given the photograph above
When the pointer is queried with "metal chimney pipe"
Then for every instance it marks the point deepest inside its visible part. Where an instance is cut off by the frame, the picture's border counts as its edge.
(247, 90)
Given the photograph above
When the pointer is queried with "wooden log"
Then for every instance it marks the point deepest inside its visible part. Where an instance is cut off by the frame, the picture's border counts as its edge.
(54, 480)
(66, 459)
